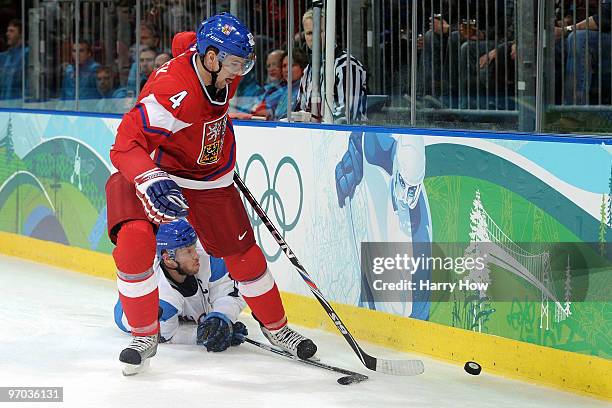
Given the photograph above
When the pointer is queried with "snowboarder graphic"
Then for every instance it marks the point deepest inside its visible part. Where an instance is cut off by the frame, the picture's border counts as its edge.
(76, 171)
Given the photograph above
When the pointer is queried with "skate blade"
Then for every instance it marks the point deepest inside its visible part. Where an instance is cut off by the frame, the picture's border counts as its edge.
(132, 369)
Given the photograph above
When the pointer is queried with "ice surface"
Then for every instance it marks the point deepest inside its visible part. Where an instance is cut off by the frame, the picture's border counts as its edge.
(57, 329)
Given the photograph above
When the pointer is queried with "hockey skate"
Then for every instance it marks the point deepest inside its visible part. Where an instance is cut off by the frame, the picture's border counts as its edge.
(291, 341)
(137, 355)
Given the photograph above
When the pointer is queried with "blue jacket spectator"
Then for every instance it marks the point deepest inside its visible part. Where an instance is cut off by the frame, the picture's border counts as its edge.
(274, 105)
(131, 82)
(147, 66)
(111, 99)
(300, 62)
(105, 83)
(149, 39)
(277, 102)
(11, 63)
(273, 66)
(87, 75)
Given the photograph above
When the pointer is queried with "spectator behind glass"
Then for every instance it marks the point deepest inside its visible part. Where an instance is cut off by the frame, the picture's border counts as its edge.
(300, 62)
(274, 105)
(578, 54)
(105, 83)
(87, 74)
(161, 59)
(357, 109)
(147, 64)
(471, 47)
(109, 95)
(433, 66)
(11, 62)
(272, 85)
(584, 60)
(501, 62)
(273, 66)
(149, 39)
(496, 28)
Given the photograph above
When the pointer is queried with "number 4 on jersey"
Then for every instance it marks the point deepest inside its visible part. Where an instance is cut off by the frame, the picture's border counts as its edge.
(176, 99)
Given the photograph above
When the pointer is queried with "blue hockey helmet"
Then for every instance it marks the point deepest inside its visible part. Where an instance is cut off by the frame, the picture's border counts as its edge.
(227, 34)
(175, 235)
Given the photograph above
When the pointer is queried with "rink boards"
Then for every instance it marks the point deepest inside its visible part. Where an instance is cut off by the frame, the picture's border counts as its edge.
(530, 188)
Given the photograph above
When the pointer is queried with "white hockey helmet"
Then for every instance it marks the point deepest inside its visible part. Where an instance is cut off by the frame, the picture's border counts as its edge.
(408, 170)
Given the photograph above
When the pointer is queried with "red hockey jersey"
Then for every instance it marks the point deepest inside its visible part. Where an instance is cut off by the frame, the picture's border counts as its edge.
(177, 126)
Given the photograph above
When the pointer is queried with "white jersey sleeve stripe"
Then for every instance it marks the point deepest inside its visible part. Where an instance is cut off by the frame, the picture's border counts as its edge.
(159, 117)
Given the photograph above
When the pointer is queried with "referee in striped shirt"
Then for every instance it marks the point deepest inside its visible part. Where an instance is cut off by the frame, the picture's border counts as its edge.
(358, 79)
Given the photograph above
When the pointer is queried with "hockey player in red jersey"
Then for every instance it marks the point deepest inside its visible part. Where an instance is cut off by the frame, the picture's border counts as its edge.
(175, 153)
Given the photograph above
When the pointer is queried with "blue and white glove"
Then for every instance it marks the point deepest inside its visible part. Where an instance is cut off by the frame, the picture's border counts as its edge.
(349, 171)
(217, 332)
(161, 197)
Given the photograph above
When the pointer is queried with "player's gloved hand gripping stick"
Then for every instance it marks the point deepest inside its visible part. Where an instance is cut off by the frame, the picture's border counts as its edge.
(217, 332)
(161, 197)
(394, 367)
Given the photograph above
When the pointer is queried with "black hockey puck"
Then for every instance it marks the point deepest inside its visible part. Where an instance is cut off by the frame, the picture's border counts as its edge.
(352, 379)
(472, 367)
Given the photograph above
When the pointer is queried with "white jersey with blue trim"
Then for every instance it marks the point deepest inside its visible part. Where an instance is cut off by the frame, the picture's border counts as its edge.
(210, 290)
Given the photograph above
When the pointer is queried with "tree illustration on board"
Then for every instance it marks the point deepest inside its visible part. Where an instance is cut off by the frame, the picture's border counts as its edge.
(7, 141)
(474, 310)
(603, 225)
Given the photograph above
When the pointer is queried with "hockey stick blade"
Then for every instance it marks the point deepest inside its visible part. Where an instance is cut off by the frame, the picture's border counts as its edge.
(351, 377)
(393, 367)
(400, 367)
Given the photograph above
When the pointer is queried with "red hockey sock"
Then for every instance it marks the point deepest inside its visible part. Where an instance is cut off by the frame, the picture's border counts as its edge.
(136, 280)
(257, 286)
(267, 308)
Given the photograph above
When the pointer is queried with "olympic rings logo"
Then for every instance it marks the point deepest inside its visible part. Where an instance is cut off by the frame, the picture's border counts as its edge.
(273, 198)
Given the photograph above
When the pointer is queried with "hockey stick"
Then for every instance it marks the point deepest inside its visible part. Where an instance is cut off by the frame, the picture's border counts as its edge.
(394, 367)
(350, 377)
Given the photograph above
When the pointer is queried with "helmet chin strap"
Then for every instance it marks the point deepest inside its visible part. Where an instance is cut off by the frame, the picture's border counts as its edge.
(212, 88)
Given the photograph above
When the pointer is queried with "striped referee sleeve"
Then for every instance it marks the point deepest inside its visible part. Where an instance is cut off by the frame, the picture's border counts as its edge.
(357, 88)
(303, 99)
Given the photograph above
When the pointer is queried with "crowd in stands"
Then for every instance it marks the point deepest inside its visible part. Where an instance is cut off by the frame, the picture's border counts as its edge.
(468, 52)
(96, 81)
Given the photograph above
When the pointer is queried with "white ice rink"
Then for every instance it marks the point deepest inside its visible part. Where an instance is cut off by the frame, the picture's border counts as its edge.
(57, 329)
